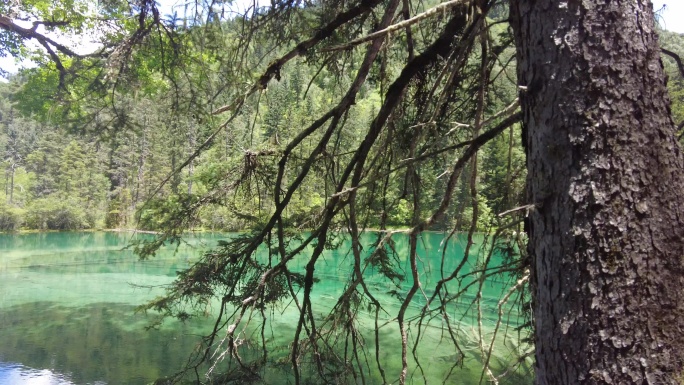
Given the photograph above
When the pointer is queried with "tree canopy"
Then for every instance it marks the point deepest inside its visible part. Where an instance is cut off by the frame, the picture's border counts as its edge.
(298, 123)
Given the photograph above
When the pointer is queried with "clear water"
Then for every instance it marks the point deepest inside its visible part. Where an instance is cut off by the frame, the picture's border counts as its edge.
(68, 299)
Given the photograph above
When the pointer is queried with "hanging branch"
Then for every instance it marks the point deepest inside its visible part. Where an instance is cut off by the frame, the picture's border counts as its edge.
(31, 33)
(395, 27)
(676, 58)
(348, 171)
(273, 70)
(680, 66)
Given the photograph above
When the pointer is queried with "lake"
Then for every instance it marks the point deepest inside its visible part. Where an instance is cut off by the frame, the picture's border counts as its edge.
(67, 314)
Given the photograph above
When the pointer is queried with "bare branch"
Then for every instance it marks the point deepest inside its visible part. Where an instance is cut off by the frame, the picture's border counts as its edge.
(49, 24)
(395, 27)
(525, 207)
(30, 33)
(676, 58)
(273, 69)
(475, 145)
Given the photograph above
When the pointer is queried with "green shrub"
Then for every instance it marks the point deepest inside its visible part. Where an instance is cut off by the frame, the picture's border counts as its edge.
(11, 218)
(52, 213)
(220, 219)
(401, 214)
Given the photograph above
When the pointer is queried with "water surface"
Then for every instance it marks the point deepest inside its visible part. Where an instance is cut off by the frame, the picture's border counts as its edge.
(67, 310)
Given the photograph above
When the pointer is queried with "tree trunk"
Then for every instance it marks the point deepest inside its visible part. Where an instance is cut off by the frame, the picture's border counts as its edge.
(13, 169)
(192, 144)
(607, 175)
(7, 183)
(144, 152)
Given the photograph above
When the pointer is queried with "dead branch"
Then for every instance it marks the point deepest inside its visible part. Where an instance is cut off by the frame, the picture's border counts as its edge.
(274, 68)
(395, 27)
(30, 33)
(676, 58)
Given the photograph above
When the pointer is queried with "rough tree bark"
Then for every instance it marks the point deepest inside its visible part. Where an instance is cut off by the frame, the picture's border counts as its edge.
(607, 175)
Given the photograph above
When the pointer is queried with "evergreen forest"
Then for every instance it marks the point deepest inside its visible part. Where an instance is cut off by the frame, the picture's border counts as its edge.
(291, 123)
(88, 160)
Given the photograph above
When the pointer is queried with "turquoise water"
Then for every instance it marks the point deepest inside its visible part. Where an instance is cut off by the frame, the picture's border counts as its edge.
(68, 299)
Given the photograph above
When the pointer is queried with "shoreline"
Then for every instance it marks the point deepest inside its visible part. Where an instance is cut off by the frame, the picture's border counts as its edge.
(194, 231)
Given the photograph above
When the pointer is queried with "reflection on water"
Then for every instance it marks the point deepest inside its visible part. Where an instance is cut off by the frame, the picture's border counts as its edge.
(100, 342)
(67, 304)
(17, 374)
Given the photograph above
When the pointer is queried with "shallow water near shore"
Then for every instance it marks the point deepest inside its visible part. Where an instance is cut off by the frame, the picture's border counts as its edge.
(67, 313)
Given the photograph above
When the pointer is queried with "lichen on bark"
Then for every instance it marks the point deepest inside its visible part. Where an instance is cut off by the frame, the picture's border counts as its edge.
(607, 175)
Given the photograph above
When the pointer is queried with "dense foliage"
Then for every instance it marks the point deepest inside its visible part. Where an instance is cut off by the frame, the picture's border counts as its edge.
(99, 161)
(133, 153)
(277, 122)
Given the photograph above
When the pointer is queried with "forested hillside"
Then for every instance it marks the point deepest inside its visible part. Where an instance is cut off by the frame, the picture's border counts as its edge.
(122, 160)
(115, 161)
(543, 127)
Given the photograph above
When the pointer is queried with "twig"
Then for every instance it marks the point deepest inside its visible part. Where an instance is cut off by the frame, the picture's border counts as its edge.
(274, 68)
(395, 27)
(500, 305)
(525, 207)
